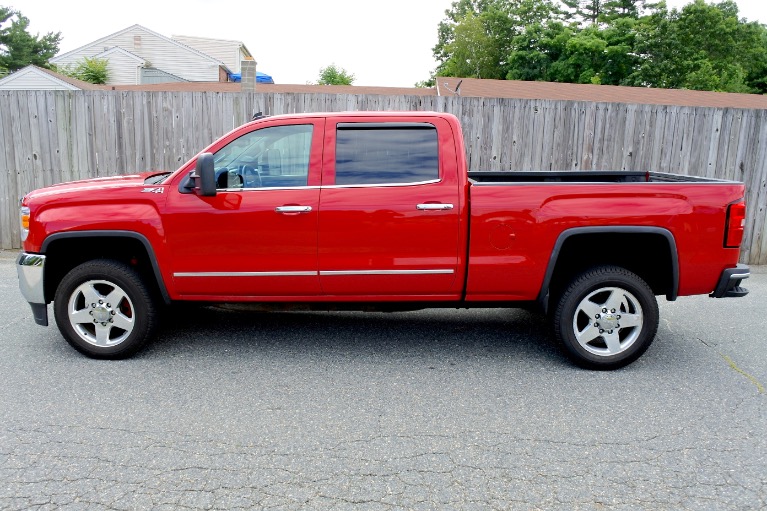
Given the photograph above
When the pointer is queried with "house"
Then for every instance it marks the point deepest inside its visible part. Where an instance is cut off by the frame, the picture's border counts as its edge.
(38, 78)
(231, 53)
(136, 49)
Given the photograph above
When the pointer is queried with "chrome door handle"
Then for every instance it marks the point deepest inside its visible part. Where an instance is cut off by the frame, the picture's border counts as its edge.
(427, 207)
(293, 209)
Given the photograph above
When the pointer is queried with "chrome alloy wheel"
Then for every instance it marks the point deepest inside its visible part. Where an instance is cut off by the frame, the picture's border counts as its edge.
(101, 313)
(608, 321)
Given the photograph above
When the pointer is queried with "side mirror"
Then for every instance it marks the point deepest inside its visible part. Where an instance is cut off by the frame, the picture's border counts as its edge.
(205, 175)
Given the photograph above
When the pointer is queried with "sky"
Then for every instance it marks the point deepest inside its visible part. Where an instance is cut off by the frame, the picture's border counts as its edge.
(383, 43)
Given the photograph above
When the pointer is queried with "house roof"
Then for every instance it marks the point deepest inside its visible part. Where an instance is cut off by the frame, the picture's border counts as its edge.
(139, 27)
(474, 87)
(122, 51)
(280, 88)
(470, 87)
(50, 77)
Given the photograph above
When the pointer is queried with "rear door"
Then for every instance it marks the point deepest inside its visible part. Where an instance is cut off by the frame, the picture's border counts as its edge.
(389, 210)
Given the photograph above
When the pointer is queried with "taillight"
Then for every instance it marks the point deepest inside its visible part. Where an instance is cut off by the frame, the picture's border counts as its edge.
(736, 222)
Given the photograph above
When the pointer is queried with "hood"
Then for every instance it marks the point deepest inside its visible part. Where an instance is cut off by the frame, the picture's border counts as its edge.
(95, 184)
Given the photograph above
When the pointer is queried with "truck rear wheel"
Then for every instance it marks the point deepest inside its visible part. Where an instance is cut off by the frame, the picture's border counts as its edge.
(606, 318)
(104, 309)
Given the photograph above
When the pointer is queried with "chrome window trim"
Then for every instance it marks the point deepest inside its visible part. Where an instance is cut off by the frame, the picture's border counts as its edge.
(386, 125)
(376, 185)
(315, 187)
(267, 188)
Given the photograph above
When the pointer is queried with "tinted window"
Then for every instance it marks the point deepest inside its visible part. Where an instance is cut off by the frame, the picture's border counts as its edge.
(270, 157)
(376, 154)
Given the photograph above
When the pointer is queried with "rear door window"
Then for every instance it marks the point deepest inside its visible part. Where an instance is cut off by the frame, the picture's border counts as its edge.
(386, 153)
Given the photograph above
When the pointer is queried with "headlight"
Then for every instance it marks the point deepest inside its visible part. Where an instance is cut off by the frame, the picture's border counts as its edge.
(24, 221)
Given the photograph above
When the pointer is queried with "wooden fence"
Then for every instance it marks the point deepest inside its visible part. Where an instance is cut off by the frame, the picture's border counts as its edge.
(53, 136)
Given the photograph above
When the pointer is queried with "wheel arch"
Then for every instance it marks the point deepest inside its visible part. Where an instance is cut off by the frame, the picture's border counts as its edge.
(66, 250)
(567, 258)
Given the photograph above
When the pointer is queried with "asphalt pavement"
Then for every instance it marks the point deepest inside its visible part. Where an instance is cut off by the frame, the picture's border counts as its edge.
(438, 409)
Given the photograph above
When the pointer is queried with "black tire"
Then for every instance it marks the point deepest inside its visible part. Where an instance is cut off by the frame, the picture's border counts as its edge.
(588, 316)
(95, 326)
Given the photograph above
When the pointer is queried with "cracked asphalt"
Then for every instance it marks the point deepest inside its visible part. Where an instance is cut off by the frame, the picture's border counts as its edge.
(422, 410)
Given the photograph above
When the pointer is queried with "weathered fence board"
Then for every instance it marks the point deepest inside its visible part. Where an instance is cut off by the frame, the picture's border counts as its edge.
(54, 136)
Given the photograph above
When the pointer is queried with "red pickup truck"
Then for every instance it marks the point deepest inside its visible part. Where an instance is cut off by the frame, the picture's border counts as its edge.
(376, 210)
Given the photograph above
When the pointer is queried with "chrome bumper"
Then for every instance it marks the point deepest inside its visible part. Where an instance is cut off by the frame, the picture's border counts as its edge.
(30, 269)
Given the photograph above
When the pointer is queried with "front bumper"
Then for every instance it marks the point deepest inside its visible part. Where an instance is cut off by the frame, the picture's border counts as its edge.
(30, 269)
(729, 282)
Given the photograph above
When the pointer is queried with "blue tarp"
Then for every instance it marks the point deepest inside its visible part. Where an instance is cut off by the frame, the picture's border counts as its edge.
(263, 78)
(260, 77)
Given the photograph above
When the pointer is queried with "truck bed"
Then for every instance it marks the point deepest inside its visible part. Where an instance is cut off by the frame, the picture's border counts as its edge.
(582, 176)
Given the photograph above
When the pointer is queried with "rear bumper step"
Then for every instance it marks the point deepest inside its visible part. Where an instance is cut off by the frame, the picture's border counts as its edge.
(729, 283)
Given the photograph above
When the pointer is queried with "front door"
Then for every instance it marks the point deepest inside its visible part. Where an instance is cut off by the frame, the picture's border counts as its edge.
(258, 235)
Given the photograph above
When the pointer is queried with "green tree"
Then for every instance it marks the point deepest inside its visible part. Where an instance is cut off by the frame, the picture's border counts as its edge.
(446, 28)
(476, 37)
(535, 50)
(91, 70)
(474, 52)
(425, 84)
(18, 48)
(583, 58)
(565, 53)
(704, 47)
(334, 75)
(618, 42)
(618, 9)
(620, 60)
(589, 12)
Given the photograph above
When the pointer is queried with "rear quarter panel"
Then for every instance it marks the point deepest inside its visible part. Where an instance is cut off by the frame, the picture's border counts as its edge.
(514, 229)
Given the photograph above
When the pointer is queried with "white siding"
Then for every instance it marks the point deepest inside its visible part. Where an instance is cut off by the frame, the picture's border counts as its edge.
(32, 79)
(228, 52)
(160, 52)
(123, 69)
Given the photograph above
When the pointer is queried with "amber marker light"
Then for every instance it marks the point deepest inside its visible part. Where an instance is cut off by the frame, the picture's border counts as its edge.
(24, 222)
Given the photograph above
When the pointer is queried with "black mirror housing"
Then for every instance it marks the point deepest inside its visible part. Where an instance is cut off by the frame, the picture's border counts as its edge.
(205, 176)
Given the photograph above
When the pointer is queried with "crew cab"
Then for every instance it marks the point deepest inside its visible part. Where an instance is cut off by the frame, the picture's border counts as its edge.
(376, 211)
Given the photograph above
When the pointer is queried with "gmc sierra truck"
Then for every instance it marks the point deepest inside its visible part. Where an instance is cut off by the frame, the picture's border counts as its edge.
(376, 211)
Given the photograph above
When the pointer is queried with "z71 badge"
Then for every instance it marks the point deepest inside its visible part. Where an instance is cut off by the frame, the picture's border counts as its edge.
(158, 189)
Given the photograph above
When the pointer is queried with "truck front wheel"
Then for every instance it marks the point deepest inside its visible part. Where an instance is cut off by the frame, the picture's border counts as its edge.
(104, 309)
(606, 318)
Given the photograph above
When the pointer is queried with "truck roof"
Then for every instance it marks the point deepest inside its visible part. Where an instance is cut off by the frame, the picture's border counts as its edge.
(360, 113)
